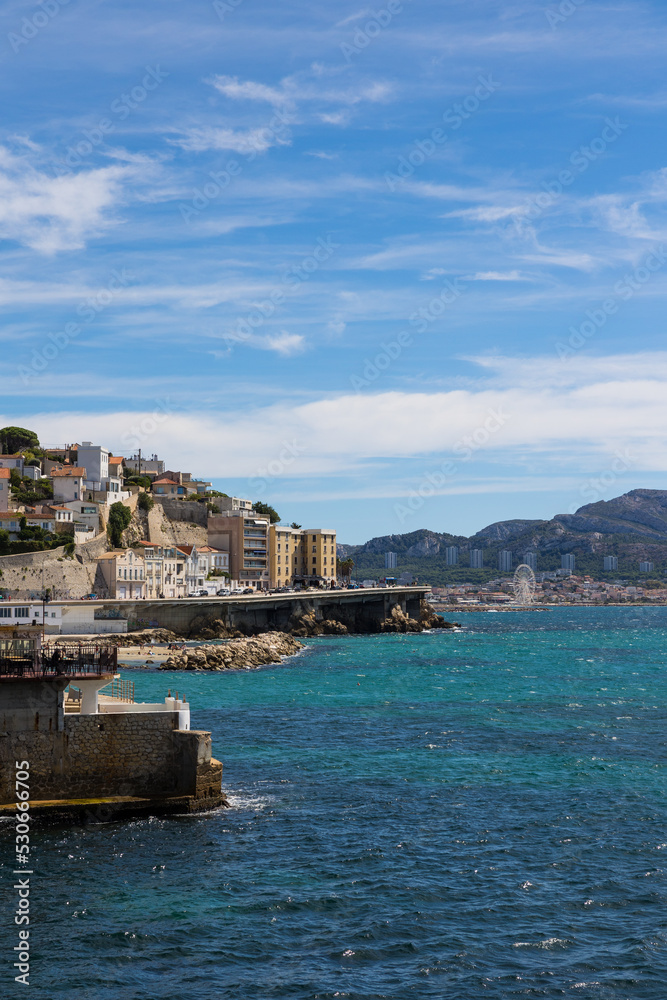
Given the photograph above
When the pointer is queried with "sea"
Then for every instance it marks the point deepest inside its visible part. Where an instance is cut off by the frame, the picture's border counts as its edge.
(463, 814)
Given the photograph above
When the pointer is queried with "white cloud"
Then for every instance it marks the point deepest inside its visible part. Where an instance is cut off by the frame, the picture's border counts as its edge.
(336, 117)
(255, 140)
(50, 214)
(248, 90)
(497, 276)
(283, 343)
(608, 404)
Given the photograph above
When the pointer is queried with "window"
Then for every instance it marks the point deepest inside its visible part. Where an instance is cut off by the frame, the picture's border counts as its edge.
(314, 548)
(314, 538)
(21, 612)
(5, 612)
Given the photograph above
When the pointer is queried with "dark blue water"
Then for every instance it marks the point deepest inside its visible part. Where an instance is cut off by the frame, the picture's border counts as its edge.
(478, 814)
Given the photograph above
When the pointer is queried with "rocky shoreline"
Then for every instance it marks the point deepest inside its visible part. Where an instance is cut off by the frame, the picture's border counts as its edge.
(237, 654)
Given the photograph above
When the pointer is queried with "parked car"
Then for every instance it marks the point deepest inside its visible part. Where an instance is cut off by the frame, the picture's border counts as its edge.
(222, 593)
(198, 593)
(248, 590)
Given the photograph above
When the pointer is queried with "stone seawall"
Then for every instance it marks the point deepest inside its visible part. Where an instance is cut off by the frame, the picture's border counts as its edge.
(360, 611)
(141, 755)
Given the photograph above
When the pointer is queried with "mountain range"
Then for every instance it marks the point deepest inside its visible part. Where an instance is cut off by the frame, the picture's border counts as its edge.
(632, 527)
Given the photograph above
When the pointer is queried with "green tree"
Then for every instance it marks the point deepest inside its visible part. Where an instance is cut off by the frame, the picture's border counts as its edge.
(119, 518)
(4, 541)
(14, 439)
(144, 481)
(267, 510)
(295, 525)
(145, 502)
(344, 568)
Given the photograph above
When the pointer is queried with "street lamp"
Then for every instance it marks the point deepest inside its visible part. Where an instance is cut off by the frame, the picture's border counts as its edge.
(46, 597)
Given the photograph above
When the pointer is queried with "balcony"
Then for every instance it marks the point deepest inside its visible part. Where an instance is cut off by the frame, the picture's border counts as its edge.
(76, 660)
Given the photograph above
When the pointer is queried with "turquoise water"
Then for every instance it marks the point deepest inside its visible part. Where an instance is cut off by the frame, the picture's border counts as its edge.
(449, 815)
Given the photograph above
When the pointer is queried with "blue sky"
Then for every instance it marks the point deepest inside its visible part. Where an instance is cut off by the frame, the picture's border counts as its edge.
(388, 267)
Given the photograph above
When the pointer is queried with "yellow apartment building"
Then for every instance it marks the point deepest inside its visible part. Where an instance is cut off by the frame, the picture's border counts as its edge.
(302, 556)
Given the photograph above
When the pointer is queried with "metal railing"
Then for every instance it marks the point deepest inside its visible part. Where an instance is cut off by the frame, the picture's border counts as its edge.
(119, 690)
(59, 661)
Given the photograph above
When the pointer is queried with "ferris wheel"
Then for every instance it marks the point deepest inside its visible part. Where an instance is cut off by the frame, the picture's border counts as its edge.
(524, 584)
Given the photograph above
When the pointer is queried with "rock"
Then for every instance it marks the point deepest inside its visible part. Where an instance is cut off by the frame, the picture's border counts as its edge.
(400, 622)
(305, 624)
(144, 637)
(237, 654)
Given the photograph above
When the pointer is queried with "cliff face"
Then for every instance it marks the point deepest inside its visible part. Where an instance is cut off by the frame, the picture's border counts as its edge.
(639, 512)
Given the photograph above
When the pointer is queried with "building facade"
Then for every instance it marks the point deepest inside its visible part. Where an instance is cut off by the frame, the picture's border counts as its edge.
(302, 557)
(245, 537)
(123, 574)
(4, 489)
(505, 561)
(68, 484)
(164, 570)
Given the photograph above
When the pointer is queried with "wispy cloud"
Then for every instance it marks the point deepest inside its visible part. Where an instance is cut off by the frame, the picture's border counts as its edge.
(51, 214)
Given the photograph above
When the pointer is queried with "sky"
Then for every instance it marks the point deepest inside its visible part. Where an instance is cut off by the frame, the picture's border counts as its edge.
(386, 267)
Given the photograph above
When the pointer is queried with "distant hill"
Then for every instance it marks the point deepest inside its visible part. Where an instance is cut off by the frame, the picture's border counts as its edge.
(632, 527)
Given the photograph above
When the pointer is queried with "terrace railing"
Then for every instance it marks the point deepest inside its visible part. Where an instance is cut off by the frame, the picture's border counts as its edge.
(61, 661)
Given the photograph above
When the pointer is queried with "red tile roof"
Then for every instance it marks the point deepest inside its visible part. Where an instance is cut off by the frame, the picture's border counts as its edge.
(76, 472)
(5, 474)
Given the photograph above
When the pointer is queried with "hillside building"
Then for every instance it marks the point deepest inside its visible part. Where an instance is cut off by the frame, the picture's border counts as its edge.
(122, 573)
(245, 537)
(302, 557)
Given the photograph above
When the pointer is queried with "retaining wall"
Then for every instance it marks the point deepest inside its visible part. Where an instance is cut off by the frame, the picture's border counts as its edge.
(140, 755)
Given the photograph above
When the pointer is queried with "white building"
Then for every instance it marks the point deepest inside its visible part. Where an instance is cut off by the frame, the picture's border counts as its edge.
(12, 462)
(68, 484)
(4, 489)
(86, 514)
(95, 460)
